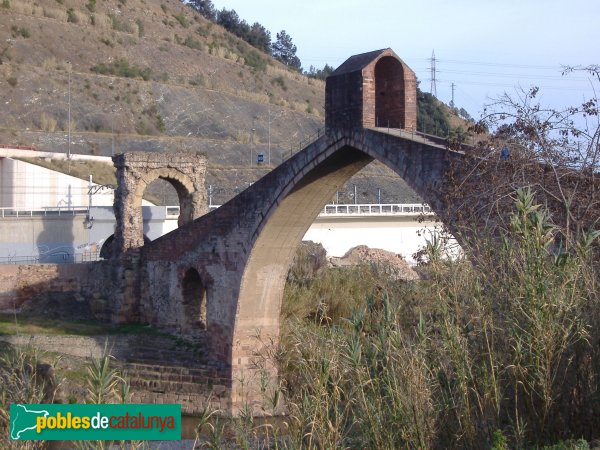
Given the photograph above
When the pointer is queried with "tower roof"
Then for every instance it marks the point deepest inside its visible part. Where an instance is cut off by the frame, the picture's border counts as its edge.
(357, 62)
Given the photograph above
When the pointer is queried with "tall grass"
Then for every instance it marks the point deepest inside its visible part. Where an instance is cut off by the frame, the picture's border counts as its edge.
(498, 348)
(22, 380)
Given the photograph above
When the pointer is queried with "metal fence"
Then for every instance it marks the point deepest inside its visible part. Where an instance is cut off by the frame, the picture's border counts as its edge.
(53, 258)
(376, 209)
(43, 212)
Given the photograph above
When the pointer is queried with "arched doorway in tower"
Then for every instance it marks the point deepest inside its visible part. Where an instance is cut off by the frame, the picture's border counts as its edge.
(194, 299)
(389, 93)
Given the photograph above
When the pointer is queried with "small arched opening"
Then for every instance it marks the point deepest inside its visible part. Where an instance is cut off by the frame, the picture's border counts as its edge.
(193, 295)
(389, 93)
(165, 189)
(108, 249)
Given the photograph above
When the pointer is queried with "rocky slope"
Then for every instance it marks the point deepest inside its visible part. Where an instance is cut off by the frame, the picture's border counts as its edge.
(149, 75)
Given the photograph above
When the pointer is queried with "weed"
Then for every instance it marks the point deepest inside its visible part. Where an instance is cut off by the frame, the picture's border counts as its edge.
(107, 42)
(47, 123)
(71, 16)
(119, 25)
(5, 4)
(142, 128)
(279, 81)
(20, 31)
(160, 124)
(122, 68)
(91, 5)
(202, 31)
(198, 80)
(12, 80)
(140, 25)
(255, 61)
(182, 20)
(192, 43)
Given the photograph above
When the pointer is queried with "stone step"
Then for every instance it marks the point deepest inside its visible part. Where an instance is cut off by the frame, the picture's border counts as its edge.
(171, 377)
(202, 371)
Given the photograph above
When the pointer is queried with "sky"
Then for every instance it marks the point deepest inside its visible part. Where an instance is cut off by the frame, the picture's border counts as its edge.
(484, 47)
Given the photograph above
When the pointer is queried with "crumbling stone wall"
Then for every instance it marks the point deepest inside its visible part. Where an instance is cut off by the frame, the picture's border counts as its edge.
(19, 283)
(135, 171)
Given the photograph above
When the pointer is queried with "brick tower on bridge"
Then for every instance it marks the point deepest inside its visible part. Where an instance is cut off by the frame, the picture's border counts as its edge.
(374, 89)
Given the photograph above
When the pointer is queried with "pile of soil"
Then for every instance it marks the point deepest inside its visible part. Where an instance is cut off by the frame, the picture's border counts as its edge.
(392, 263)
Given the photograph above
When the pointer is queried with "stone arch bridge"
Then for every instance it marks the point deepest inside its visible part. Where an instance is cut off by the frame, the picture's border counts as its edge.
(220, 277)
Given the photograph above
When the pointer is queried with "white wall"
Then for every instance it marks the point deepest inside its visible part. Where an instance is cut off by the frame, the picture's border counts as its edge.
(25, 185)
(399, 234)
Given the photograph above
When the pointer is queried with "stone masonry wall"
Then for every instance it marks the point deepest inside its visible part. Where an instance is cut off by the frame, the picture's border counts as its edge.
(19, 283)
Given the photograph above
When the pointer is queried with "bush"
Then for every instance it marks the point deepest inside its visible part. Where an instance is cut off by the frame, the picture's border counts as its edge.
(140, 25)
(121, 68)
(182, 20)
(192, 43)
(5, 4)
(20, 31)
(279, 81)
(71, 16)
(198, 80)
(119, 25)
(255, 61)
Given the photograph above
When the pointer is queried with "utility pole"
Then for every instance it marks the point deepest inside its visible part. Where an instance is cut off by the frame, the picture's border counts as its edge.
(69, 134)
(269, 131)
(452, 101)
(112, 133)
(433, 88)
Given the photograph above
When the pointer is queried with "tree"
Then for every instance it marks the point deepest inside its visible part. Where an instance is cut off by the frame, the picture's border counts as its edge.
(206, 8)
(260, 38)
(284, 50)
(320, 74)
(555, 153)
(229, 20)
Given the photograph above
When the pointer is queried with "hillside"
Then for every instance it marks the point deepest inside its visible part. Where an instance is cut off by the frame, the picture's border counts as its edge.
(148, 75)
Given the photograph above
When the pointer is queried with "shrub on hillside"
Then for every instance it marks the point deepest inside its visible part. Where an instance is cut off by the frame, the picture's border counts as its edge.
(122, 68)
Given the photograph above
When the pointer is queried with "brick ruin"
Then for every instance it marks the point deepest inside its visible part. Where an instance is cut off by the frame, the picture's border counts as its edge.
(375, 89)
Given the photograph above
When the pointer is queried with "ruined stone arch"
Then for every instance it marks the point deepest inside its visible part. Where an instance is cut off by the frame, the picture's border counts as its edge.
(135, 171)
(182, 184)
